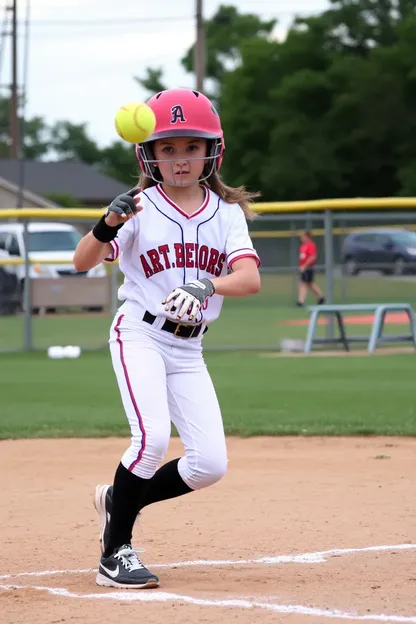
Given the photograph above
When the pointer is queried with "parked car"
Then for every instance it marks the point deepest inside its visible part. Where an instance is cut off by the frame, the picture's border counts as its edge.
(54, 243)
(391, 251)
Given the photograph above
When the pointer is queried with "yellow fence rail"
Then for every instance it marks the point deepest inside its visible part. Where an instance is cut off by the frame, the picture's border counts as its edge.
(319, 205)
(15, 261)
(51, 213)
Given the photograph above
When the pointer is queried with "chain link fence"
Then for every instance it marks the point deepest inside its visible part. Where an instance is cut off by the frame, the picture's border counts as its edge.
(44, 302)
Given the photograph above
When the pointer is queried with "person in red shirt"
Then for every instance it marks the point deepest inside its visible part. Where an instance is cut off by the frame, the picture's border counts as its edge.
(307, 260)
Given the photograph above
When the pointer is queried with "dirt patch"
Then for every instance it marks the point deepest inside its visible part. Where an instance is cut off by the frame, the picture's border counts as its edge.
(251, 548)
(396, 318)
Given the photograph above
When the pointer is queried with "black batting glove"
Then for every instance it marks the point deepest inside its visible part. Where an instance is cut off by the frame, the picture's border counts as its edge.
(124, 204)
(121, 209)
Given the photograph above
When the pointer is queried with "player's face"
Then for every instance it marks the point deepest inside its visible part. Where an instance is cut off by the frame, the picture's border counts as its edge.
(181, 159)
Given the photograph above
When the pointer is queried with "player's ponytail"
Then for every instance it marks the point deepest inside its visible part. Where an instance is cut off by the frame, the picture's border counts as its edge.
(238, 195)
(145, 182)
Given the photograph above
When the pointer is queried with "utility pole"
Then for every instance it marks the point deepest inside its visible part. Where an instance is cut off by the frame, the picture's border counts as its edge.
(14, 100)
(199, 61)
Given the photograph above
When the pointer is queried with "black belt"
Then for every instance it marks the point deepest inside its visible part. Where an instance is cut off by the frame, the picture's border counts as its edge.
(183, 330)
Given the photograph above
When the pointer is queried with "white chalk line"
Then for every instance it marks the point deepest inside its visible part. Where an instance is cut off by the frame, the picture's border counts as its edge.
(145, 596)
(313, 557)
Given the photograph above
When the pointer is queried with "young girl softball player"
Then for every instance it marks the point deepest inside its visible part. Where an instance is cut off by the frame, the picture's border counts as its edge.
(183, 245)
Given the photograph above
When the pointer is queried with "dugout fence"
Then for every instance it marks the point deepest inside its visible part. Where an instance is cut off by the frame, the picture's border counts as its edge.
(74, 310)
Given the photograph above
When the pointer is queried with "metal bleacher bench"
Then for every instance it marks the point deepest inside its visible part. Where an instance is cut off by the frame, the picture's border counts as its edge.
(380, 310)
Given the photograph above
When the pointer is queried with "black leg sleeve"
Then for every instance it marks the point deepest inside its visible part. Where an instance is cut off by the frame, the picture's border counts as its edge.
(166, 483)
(129, 492)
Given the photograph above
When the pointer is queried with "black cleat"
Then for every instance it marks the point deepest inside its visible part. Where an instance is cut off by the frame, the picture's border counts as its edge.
(124, 569)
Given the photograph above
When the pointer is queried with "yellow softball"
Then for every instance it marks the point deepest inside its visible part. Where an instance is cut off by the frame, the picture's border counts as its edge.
(135, 122)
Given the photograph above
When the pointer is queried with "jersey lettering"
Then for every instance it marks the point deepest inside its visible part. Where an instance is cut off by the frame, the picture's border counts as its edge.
(146, 268)
(189, 252)
(179, 255)
(213, 258)
(190, 256)
(203, 257)
(155, 260)
(164, 251)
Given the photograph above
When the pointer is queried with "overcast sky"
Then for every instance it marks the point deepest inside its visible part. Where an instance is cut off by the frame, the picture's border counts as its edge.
(83, 54)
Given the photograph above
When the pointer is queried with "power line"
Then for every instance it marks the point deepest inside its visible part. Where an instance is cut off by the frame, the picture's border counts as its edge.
(124, 20)
(93, 22)
(54, 34)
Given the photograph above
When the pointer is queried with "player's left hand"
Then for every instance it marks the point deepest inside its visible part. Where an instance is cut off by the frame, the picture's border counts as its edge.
(188, 297)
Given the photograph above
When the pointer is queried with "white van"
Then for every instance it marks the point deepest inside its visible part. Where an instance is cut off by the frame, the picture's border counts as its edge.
(53, 242)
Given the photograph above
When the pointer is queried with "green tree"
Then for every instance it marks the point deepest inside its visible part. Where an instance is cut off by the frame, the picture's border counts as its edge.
(273, 110)
(36, 138)
(119, 161)
(225, 34)
(71, 141)
(361, 25)
(68, 141)
(152, 81)
(35, 133)
(329, 111)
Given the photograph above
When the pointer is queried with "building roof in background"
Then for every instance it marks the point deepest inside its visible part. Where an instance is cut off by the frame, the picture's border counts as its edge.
(28, 196)
(75, 178)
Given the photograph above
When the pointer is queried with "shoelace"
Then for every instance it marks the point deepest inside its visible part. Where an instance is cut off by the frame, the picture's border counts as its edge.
(129, 558)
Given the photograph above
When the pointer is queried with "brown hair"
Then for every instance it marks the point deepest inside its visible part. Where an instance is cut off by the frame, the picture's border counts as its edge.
(238, 195)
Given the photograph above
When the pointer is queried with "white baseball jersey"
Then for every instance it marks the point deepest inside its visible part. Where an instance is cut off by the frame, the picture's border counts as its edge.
(163, 248)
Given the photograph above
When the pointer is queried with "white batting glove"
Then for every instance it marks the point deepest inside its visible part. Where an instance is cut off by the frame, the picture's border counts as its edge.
(189, 297)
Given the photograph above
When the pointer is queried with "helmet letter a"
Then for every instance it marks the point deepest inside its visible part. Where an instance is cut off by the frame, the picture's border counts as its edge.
(177, 114)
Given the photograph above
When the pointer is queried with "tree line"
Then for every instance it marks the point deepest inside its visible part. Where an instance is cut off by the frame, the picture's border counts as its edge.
(330, 111)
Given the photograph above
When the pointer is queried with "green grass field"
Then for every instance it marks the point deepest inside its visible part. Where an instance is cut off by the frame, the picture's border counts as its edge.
(259, 395)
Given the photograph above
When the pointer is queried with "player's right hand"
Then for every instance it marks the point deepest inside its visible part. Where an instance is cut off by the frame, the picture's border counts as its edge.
(122, 208)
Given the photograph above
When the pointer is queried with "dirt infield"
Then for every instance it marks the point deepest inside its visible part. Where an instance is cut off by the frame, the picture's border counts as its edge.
(397, 318)
(251, 548)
